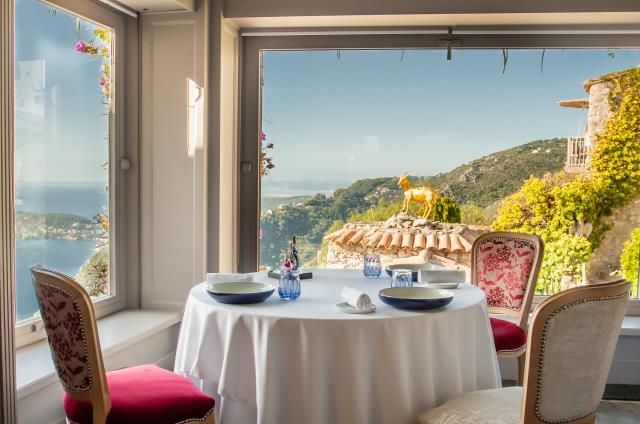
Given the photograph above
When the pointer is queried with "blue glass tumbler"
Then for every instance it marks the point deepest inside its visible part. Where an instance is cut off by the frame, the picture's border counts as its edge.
(401, 278)
(372, 266)
(289, 285)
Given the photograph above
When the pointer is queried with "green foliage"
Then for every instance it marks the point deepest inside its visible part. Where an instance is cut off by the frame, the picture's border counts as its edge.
(470, 213)
(562, 257)
(552, 206)
(616, 157)
(446, 210)
(94, 273)
(384, 210)
(278, 227)
(629, 261)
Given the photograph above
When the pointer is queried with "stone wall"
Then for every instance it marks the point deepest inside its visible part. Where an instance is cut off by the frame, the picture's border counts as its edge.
(606, 257)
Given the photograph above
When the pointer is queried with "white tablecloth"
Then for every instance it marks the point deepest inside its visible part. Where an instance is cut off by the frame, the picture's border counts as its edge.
(306, 362)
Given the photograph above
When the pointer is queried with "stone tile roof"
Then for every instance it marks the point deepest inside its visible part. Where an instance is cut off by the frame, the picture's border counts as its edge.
(409, 234)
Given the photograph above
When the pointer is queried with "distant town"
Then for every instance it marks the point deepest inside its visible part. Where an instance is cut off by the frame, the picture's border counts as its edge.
(59, 226)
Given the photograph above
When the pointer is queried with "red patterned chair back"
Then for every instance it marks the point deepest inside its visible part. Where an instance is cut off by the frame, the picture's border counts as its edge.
(505, 266)
(69, 320)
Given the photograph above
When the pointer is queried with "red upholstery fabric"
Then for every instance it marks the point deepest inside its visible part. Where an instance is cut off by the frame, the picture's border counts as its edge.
(503, 268)
(146, 394)
(507, 336)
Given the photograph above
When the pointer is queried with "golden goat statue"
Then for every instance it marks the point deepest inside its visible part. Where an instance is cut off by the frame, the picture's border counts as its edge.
(424, 195)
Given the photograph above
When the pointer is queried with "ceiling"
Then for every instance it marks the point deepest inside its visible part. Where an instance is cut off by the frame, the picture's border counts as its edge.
(145, 6)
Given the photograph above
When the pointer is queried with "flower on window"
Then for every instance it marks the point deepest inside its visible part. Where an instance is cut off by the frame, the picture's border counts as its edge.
(99, 46)
(266, 162)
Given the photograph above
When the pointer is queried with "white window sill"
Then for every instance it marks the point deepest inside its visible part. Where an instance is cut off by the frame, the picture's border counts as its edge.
(117, 331)
(630, 324)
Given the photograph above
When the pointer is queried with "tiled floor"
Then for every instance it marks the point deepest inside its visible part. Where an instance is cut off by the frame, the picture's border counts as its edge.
(618, 412)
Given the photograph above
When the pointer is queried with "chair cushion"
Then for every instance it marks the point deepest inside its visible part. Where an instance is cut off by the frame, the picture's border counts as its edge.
(146, 394)
(507, 336)
(497, 406)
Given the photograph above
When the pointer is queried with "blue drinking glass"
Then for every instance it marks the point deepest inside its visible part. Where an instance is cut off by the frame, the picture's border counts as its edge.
(401, 278)
(372, 266)
(289, 285)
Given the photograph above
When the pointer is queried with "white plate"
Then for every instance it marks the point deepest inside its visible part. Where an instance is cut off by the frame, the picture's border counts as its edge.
(348, 309)
(442, 285)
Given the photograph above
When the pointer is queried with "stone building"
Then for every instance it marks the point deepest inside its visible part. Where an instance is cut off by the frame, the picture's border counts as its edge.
(606, 258)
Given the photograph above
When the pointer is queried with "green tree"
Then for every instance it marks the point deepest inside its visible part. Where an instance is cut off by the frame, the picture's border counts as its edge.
(470, 213)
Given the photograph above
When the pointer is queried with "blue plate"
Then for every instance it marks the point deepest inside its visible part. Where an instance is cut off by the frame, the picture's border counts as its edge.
(240, 293)
(415, 298)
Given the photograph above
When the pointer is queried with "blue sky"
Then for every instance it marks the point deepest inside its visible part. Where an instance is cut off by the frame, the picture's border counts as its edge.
(369, 114)
(60, 121)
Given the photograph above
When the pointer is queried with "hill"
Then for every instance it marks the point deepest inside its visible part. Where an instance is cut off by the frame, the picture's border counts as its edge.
(483, 182)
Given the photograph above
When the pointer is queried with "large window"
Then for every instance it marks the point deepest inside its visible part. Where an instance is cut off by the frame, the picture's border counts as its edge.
(64, 140)
(510, 139)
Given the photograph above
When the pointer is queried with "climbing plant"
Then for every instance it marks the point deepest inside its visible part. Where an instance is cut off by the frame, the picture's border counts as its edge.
(630, 259)
(558, 207)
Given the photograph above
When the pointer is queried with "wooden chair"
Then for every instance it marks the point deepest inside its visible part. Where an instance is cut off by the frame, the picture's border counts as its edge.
(142, 394)
(506, 266)
(572, 340)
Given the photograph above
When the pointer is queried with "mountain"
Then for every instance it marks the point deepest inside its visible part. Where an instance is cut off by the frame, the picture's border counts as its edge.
(493, 177)
(484, 181)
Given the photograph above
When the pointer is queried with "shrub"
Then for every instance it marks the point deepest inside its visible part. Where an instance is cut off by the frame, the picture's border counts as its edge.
(470, 213)
(446, 210)
(563, 257)
(629, 260)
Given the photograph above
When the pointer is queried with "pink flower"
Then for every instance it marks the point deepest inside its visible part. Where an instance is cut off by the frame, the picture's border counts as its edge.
(80, 46)
(287, 266)
(270, 146)
(263, 136)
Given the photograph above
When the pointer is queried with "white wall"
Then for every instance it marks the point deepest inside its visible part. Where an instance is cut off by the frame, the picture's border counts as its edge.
(173, 189)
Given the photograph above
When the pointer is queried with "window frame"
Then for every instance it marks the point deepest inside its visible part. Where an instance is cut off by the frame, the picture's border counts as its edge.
(31, 330)
(489, 37)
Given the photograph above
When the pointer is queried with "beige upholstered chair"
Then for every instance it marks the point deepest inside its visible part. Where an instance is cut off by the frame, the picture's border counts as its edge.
(142, 394)
(505, 266)
(572, 340)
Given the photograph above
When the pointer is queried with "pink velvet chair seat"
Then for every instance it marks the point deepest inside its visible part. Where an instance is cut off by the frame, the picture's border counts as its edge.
(146, 394)
(507, 336)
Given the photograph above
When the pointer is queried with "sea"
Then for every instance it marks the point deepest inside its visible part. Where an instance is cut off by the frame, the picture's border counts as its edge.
(84, 199)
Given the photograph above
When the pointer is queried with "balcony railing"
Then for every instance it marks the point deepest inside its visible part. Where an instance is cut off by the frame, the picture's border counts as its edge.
(577, 155)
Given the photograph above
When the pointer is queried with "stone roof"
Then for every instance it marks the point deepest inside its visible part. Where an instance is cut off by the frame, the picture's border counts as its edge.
(409, 234)
(577, 103)
(606, 77)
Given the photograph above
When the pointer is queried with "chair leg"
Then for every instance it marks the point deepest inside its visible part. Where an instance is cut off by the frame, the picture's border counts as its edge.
(520, 379)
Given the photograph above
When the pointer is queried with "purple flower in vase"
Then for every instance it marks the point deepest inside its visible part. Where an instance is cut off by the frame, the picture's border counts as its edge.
(263, 136)
(80, 47)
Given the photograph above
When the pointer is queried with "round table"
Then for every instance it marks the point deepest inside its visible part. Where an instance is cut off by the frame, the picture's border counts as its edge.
(306, 361)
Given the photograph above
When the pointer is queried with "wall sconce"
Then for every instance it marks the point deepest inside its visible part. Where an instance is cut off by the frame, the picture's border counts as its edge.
(195, 117)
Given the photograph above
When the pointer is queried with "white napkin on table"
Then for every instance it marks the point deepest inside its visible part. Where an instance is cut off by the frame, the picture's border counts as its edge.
(356, 298)
(222, 277)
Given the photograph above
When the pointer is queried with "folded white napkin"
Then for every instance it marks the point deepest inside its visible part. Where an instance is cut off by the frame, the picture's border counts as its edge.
(221, 277)
(356, 298)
